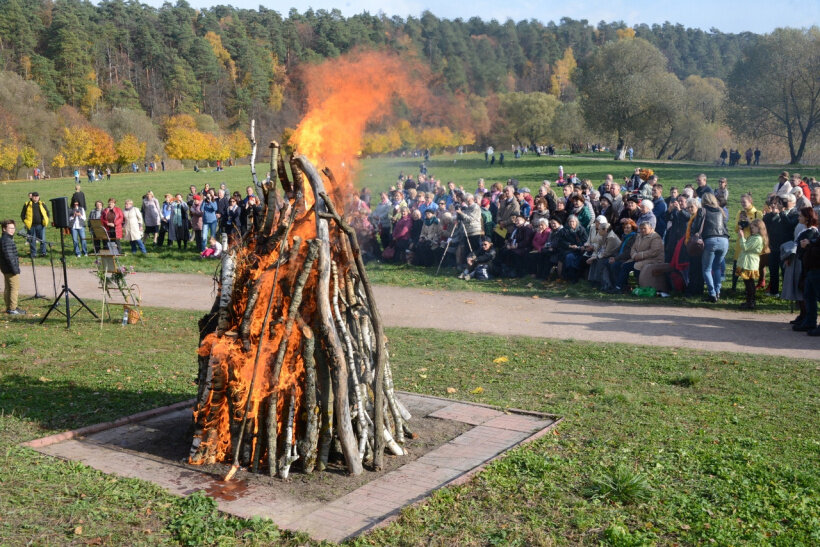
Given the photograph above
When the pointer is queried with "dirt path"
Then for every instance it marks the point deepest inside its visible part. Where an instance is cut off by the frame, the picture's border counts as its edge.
(700, 328)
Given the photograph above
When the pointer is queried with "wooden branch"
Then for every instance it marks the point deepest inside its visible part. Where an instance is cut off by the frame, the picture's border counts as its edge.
(375, 318)
(325, 322)
(289, 456)
(253, 154)
(308, 444)
(325, 409)
(287, 185)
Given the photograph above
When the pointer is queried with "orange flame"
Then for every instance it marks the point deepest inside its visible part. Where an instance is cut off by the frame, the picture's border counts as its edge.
(343, 96)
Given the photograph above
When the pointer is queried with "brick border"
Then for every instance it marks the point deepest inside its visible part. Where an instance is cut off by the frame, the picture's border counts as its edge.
(96, 428)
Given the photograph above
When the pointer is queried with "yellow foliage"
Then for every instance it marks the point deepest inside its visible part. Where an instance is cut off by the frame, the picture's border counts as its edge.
(103, 151)
(58, 161)
(239, 144)
(180, 121)
(625, 33)
(29, 157)
(562, 72)
(130, 149)
(77, 146)
(8, 156)
(221, 53)
(92, 96)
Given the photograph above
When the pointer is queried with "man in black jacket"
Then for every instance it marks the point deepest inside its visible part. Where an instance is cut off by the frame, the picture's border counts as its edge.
(10, 266)
(811, 290)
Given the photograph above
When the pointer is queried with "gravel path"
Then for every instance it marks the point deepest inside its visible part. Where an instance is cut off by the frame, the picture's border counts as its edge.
(697, 328)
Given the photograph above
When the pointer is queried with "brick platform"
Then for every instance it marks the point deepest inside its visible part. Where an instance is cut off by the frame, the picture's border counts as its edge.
(116, 450)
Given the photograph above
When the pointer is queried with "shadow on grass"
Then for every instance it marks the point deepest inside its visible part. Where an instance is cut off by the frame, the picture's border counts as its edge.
(64, 404)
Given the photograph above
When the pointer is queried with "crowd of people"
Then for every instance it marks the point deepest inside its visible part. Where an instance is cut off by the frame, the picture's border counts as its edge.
(570, 230)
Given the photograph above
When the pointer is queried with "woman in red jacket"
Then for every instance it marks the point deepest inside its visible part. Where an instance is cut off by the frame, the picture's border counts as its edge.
(112, 220)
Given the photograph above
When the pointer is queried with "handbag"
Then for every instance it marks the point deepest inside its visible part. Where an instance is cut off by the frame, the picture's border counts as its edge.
(695, 244)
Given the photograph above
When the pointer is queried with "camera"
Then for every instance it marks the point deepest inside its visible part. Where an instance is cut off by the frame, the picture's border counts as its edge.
(743, 224)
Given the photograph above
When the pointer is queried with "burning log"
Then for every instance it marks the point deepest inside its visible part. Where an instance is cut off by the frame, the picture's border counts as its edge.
(271, 394)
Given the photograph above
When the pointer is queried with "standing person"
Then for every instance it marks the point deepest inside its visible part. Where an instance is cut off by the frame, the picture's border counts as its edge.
(35, 219)
(76, 221)
(77, 176)
(112, 221)
(150, 215)
(748, 261)
(703, 187)
(783, 187)
(209, 218)
(229, 222)
(133, 226)
(757, 156)
(10, 266)
(79, 196)
(712, 224)
(749, 154)
(745, 216)
(178, 223)
(164, 220)
(195, 210)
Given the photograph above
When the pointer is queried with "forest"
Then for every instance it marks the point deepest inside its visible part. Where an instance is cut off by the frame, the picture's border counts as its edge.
(120, 82)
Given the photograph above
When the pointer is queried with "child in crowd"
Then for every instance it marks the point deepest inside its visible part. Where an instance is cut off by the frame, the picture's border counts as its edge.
(748, 263)
(213, 250)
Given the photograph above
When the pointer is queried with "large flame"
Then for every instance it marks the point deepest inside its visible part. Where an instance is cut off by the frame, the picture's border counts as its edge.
(343, 96)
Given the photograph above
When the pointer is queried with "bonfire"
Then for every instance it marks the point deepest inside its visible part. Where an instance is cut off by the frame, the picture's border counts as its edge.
(293, 365)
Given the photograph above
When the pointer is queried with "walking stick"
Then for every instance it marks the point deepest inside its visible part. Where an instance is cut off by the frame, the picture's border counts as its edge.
(444, 255)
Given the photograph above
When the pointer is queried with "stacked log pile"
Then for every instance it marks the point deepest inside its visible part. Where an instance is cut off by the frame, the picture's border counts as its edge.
(293, 365)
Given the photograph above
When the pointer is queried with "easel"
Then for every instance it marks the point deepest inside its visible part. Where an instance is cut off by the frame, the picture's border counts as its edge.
(107, 265)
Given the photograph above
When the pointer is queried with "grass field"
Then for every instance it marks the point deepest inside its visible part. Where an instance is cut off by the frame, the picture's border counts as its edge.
(658, 445)
(379, 174)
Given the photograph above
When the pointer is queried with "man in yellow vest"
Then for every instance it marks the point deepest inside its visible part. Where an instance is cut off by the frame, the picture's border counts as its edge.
(35, 218)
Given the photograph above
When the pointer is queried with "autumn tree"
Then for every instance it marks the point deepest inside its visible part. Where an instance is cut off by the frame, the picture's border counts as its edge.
(238, 144)
(59, 162)
(103, 151)
(129, 150)
(525, 118)
(774, 90)
(625, 88)
(77, 146)
(561, 80)
(8, 157)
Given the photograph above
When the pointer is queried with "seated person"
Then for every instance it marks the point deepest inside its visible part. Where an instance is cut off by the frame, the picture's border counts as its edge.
(213, 250)
(478, 264)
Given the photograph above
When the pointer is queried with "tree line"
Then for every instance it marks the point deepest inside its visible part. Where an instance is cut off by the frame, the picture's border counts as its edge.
(127, 68)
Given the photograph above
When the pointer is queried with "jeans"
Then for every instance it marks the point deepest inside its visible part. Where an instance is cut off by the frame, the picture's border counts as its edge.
(137, 244)
(811, 292)
(712, 263)
(208, 230)
(40, 233)
(619, 271)
(78, 235)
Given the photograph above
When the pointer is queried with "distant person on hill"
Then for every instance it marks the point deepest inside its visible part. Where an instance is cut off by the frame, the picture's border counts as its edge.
(749, 155)
(723, 155)
(757, 156)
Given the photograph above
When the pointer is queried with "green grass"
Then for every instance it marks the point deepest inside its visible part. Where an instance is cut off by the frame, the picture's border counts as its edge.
(658, 445)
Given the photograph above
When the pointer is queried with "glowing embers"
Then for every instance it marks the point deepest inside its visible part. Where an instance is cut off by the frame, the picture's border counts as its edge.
(292, 362)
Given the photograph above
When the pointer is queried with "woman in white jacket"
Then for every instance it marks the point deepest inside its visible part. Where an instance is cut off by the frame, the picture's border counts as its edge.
(133, 226)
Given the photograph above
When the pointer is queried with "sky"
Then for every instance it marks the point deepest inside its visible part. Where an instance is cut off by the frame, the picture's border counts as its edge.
(733, 16)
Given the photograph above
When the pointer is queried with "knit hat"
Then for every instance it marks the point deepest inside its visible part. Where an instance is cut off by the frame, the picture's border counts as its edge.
(608, 197)
(485, 202)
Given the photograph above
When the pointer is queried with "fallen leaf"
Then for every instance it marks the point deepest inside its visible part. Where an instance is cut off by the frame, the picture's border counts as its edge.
(469, 302)
(535, 297)
(423, 369)
(502, 359)
(451, 390)
(423, 376)
(44, 379)
(477, 390)
(78, 531)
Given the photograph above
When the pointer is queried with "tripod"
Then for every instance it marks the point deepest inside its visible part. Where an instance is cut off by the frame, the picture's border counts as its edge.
(29, 237)
(66, 291)
(449, 239)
